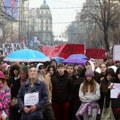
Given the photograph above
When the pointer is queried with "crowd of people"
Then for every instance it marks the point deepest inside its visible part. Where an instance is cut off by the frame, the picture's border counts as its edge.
(51, 91)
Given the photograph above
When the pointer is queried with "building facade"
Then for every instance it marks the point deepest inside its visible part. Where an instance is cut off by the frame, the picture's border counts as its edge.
(41, 24)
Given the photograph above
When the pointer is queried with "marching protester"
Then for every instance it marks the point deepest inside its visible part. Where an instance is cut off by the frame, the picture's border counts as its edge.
(45, 76)
(61, 93)
(89, 94)
(13, 74)
(15, 113)
(103, 68)
(32, 96)
(104, 88)
(105, 100)
(41, 71)
(5, 97)
(76, 80)
(48, 113)
(90, 64)
(53, 63)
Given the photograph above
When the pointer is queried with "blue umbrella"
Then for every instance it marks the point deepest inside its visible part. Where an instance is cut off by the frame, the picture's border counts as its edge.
(58, 59)
(27, 55)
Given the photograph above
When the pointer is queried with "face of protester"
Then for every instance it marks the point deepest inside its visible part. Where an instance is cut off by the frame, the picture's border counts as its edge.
(42, 70)
(103, 68)
(33, 73)
(70, 70)
(109, 76)
(88, 78)
(51, 71)
(16, 72)
(53, 63)
(61, 70)
(23, 76)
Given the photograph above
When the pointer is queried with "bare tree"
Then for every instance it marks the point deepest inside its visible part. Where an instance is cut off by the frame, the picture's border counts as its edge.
(115, 34)
(72, 33)
(10, 34)
(105, 13)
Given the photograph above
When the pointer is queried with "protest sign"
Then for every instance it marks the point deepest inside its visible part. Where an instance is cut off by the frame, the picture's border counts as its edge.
(116, 53)
(95, 53)
(64, 50)
(115, 91)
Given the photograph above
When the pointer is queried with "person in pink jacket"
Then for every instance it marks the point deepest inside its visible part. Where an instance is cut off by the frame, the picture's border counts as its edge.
(4, 98)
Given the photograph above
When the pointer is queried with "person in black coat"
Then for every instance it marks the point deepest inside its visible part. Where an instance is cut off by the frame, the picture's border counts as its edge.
(103, 68)
(13, 74)
(76, 80)
(61, 93)
(15, 113)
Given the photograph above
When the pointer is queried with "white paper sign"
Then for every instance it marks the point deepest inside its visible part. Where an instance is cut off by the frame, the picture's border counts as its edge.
(116, 53)
(31, 99)
(115, 91)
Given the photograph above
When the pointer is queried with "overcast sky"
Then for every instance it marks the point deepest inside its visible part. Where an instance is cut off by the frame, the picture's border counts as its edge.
(63, 12)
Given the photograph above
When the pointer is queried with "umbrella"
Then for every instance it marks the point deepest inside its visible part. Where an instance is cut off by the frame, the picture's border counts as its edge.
(27, 55)
(82, 56)
(58, 59)
(74, 60)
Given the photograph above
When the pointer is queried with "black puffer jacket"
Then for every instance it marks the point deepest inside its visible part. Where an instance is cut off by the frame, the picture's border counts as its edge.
(61, 88)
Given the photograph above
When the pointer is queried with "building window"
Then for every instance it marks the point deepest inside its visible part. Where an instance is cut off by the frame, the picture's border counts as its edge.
(46, 22)
(46, 28)
(41, 27)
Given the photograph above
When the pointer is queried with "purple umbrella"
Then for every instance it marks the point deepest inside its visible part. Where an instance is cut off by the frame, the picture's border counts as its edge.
(82, 56)
(74, 60)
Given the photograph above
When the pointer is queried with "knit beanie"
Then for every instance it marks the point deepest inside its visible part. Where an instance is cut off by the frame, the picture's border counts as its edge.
(89, 73)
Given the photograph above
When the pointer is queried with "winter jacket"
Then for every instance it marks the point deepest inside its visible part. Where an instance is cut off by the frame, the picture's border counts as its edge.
(61, 88)
(39, 87)
(4, 101)
(89, 97)
(49, 85)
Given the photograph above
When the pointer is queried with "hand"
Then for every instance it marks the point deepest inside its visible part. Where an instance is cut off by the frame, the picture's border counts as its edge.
(13, 102)
(3, 116)
(111, 86)
(33, 108)
(26, 110)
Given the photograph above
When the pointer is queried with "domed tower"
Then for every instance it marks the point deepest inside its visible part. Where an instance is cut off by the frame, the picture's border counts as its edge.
(45, 20)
